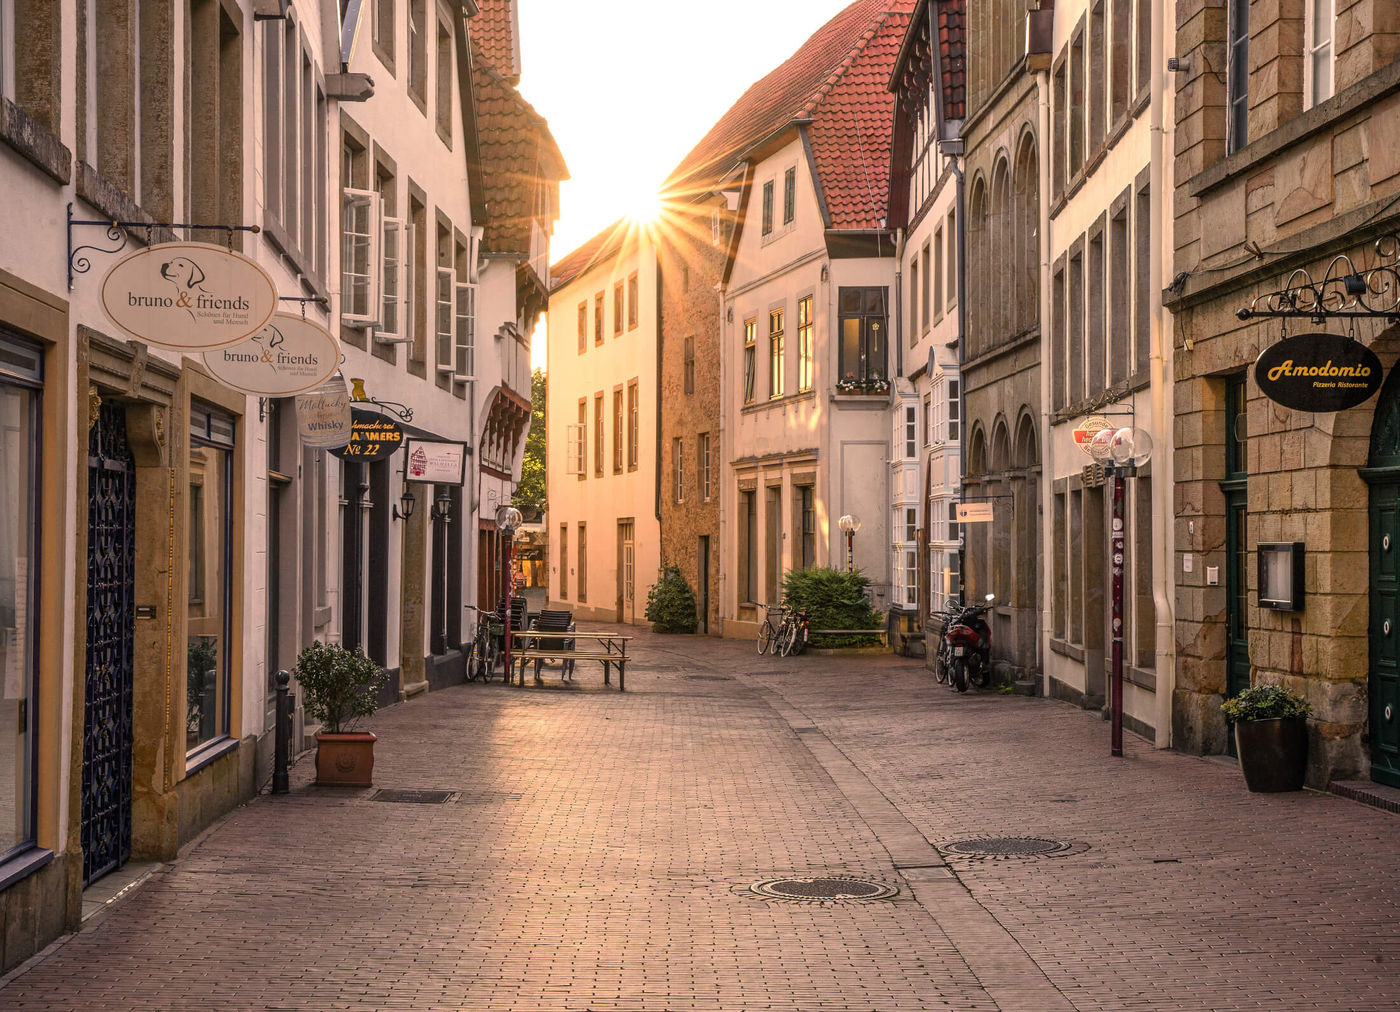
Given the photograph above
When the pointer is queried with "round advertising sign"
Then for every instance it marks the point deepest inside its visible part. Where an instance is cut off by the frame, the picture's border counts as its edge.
(189, 296)
(323, 415)
(1318, 372)
(372, 437)
(286, 357)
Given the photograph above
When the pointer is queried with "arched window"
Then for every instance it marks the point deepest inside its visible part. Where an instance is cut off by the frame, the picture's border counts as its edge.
(979, 294)
(1027, 250)
(1004, 298)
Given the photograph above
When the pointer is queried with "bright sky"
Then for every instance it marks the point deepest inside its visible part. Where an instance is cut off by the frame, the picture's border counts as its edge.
(630, 86)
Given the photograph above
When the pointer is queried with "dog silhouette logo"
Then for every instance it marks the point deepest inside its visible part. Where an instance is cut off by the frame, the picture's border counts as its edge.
(183, 273)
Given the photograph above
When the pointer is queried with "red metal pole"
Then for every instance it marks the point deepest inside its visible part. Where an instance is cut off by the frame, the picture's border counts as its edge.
(510, 601)
(1116, 549)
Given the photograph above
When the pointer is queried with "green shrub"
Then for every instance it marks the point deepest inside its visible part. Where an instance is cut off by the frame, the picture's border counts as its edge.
(671, 604)
(338, 686)
(1265, 702)
(833, 599)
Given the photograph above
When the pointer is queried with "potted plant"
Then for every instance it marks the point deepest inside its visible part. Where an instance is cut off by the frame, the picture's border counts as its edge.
(1271, 737)
(339, 688)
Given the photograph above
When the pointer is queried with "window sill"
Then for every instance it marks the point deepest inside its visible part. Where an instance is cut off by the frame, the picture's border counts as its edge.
(1064, 648)
(757, 407)
(207, 754)
(39, 147)
(22, 865)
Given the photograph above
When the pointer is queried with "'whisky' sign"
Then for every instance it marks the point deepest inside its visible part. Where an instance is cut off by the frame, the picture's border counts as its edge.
(1318, 372)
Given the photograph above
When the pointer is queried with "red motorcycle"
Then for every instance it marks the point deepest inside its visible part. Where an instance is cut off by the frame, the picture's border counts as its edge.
(965, 648)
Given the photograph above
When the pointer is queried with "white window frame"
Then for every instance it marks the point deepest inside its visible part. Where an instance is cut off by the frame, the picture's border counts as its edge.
(393, 329)
(445, 315)
(911, 430)
(360, 249)
(574, 437)
(464, 345)
(1312, 48)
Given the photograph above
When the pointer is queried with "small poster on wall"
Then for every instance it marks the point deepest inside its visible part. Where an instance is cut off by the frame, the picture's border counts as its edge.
(436, 462)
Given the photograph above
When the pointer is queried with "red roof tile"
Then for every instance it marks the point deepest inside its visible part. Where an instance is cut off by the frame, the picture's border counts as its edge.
(495, 31)
(952, 49)
(837, 80)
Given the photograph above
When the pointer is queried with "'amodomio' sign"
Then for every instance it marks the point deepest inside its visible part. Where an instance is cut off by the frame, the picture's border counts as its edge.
(189, 296)
(1318, 372)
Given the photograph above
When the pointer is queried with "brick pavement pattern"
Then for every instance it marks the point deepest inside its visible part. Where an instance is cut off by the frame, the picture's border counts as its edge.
(597, 850)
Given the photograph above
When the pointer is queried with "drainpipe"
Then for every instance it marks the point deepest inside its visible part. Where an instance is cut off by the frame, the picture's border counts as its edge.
(1047, 445)
(899, 303)
(1163, 547)
(961, 202)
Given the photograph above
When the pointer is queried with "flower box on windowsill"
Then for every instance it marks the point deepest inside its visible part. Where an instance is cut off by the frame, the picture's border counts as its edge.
(851, 387)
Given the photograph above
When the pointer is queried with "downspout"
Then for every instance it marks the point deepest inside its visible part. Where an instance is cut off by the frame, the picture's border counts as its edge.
(1163, 547)
(1047, 445)
(656, 280)
(961, 203)
(899, 303)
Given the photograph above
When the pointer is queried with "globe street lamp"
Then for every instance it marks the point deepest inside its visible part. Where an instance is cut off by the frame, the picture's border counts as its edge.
(508, 522)
(1122, 451)
(850, 523)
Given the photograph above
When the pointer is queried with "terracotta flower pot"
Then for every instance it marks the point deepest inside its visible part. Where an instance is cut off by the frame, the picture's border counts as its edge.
(345, 760)
(1273, 753)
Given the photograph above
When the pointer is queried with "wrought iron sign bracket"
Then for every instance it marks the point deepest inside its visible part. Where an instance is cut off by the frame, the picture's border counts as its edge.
(358, 396)
(1343, 293)
(118, 232)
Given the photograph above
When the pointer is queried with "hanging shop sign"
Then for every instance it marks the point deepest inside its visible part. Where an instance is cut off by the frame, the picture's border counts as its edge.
(188, 296)
(973, 512)
(436, 462)
(1318, 372)
(323, 415)
(372, 437)
(289, 356)
(1090, 427)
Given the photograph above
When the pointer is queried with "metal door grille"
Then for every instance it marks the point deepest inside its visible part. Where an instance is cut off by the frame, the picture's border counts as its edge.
(107, 727)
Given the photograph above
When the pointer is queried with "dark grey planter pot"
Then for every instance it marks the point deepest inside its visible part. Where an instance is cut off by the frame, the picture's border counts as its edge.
(1273, 753)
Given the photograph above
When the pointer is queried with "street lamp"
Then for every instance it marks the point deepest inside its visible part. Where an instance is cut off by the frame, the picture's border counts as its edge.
(850, 523)
(1122, 451)
(508, 522)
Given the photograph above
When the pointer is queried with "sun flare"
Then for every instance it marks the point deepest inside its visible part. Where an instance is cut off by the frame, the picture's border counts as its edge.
(645, 209)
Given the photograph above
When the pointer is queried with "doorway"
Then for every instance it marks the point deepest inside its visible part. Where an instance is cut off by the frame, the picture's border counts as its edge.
(1236, 490)
(703, 580)
(626, 572)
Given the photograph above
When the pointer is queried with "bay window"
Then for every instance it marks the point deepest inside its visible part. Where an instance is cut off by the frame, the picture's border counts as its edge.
(862, 317)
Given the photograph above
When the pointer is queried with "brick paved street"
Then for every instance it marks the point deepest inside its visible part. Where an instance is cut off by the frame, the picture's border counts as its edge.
(599, 847)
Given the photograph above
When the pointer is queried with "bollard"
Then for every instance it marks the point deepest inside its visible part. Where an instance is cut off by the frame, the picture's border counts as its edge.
(282, 743)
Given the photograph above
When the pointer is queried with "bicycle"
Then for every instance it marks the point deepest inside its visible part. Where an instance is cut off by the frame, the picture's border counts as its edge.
(792, 634)
(768, 632)
(486, 645)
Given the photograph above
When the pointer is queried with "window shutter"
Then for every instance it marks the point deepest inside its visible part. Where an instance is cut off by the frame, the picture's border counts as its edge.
(392, 276)
(446, 316)
(465, 366)
(360, 275)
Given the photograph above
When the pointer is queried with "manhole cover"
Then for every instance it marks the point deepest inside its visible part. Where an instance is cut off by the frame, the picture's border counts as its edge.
(823, 889)
(709, 678)
(411, 797)
(1010, 846)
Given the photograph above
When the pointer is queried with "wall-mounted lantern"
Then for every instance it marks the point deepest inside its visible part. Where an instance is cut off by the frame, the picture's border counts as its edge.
(1281, 575)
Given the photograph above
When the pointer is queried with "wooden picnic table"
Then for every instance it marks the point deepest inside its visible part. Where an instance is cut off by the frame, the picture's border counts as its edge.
(608, 648)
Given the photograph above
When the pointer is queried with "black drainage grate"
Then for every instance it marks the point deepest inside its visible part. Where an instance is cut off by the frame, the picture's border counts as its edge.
(1013, 846)
(823, 889)
(412, 797)
(709, 678)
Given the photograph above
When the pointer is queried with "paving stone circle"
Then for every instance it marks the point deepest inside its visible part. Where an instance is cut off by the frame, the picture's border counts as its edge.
(823, 888)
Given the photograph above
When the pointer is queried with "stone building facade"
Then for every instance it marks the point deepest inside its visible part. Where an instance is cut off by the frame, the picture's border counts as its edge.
(1283, 166)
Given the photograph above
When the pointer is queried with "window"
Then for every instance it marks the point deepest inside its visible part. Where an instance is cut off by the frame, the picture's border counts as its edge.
(952, 259)
(617, 430)
(294, 151)
(1097, 70)
(1236, 76)
(954, 412)
(750, 358)
(582, 563)
(1318, 67)
(382, 28)
(394, 264)
(465, 294)
(1094, 290)
(862, 322)
(678, 468)
(598, 318)
(1060, 157)
(911, 578)
(914, 326)
(928, 419)
(419, 265)
(1142, 294)
(768, 208)
(633, 421)
(418, 50)
(210, 553)
(1059, 348)
(21, 379)
(805, 352)
(1120, 334)
(1059, 569)
(911, 431)
(583, 326)
(360, 236)
(632, 307)
(688, 365)
(443, 100)
(937, 280)
(1076, 326)
(808, 524)
(598, 435)
(1120, 46)
(773, 536)
(445, 318)
(619, 308)
(1075, 109)
(911, 524)
(575, 437)
(702, 465)
(582, 438)
(748, 549)
(789, 195)
(563, 583)
(776, 358)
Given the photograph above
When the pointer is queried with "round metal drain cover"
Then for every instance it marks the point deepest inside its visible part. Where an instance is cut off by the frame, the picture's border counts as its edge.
(1009, 846)
(823, 889)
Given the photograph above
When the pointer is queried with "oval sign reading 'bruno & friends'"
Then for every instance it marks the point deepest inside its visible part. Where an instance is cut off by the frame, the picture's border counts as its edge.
(286, 357)
(188, 296)
(1318, 372)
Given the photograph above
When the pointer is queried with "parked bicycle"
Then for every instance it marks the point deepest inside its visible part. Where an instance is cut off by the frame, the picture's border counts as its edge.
(486, 645)
(768, 632)
(792, 633)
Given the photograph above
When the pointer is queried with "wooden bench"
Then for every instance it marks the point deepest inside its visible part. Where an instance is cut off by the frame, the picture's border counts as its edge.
(882, 633)
(552, 621)
(607, 648)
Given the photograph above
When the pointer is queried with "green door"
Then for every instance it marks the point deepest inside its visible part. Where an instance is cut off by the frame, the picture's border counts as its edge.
(1236, 597)
(1384, 685)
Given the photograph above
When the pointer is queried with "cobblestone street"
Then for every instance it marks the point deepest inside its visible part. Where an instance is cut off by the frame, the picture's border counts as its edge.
(598, 849)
